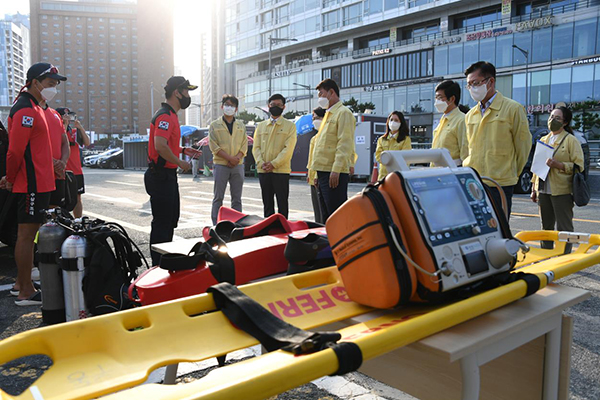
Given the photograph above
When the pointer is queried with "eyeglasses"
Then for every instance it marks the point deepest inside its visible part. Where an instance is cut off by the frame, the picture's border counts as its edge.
(51, 70)
(475, 84)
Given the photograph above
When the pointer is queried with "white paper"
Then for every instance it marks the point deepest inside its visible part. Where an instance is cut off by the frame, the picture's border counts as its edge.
(542, 153)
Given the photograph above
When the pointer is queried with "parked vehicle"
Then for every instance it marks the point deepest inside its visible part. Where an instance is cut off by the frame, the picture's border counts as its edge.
(112, 161)
(524, 184)
(91, 161)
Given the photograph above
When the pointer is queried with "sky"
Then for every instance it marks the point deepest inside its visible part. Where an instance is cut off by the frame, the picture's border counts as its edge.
(186, 35)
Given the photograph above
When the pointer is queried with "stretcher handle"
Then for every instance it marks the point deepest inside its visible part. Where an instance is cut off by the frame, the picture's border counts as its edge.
(399, 160)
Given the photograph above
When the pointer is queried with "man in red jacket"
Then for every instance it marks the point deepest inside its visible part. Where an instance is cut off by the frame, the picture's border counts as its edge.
(30, 170)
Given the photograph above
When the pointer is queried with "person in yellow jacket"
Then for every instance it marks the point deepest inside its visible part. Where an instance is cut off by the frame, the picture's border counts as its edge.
(395, 138)
(311, 176)
(334, 148)
(555, 194)
(497, 132)
(228, 142)
(451, 132)
(274, 143)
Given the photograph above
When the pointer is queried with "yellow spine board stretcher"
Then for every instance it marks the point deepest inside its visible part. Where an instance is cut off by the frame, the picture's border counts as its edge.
(104, 355)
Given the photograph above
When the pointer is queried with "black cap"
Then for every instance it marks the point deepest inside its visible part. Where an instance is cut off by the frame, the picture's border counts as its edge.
(45, 69)
(178, 82)
(63, 110)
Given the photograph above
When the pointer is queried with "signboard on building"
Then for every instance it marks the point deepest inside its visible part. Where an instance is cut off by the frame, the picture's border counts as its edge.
(298, 98)
(285, 72)
(393, 35)
(506, 8)
(381, 52)
(448, 40)
(591, 60)
(535, 23)
(385, 86)
(489, 33)
(376, 87)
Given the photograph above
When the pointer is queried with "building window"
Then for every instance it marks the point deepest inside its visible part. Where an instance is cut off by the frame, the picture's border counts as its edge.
(487, 50)
(331, 20)
(582, 83)
(352, 14)
(562, 41)
(585, 38)
(504, 51)
(373, 6)
(455, 62)
(542, 39)
(470, 53)
(539, 91)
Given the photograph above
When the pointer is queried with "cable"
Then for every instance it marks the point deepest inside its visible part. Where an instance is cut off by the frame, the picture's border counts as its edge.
(406, 256)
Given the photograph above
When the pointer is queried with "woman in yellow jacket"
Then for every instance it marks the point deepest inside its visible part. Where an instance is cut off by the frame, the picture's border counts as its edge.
(395, 138)
(555, 194)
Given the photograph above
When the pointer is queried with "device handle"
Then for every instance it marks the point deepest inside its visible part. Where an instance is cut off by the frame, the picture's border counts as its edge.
(399, 160)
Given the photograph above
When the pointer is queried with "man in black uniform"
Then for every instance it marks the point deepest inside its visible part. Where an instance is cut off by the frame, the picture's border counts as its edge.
(163, 159)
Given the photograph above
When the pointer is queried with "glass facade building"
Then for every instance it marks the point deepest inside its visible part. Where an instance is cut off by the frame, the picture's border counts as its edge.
(393, 53)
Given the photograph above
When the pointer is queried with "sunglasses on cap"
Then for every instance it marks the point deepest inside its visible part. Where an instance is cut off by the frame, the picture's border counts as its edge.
(51, 70)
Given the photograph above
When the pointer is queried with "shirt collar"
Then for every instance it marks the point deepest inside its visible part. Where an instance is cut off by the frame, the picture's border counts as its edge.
(29, 95)
(168, 107)
(224, 120)
(485, 106)
(446, 115)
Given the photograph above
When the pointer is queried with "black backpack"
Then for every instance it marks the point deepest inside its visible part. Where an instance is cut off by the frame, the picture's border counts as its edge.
(110, 270)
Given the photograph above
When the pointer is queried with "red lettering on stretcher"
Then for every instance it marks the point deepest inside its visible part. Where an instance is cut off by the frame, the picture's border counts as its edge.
(325, 301)
(290, 311)
(379, 327)
(306, 304)
(340, 294)
(309, 305)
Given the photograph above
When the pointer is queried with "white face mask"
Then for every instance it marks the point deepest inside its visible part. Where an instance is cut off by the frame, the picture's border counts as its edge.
(323, 102)
(394, 125)
(49, 93)
(478, 92)
(229, 110)
(317, 123)
(440, 106)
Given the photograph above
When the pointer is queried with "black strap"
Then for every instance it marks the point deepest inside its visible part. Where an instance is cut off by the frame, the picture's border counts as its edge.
(560, 144)
(532, 281)
(349, 357)
(273, 333)
(220, 263)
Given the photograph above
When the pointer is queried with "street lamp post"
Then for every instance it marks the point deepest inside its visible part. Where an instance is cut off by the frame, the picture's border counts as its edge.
(309, 89)
(526, 54)
(276, 40)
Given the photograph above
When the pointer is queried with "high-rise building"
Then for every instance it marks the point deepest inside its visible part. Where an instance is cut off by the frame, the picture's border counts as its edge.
(117, 58)
(14, 60)
(213, 60)
(193, 113)
(392, 53)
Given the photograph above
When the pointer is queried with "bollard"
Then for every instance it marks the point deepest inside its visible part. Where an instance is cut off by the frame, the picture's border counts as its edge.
(51, 237)
(74, 252)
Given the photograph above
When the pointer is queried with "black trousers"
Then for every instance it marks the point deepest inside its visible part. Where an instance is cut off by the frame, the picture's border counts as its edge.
(508, 192)
(316, 202)
(332, 199)
(161, 184)
(275, 185)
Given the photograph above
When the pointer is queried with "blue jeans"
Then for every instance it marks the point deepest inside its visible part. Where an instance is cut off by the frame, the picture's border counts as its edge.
(332, 199)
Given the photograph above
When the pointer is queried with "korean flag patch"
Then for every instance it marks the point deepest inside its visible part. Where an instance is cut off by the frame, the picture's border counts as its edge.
(164, 125)
(27, 122)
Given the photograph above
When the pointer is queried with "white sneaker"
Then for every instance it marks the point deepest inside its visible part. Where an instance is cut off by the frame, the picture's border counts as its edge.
(35, 274)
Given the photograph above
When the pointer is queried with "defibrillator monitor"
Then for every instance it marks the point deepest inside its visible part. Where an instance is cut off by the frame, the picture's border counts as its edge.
(443, 202)
(458, 225)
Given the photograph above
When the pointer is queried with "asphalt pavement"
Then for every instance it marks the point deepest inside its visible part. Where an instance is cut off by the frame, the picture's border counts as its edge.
(119, 196)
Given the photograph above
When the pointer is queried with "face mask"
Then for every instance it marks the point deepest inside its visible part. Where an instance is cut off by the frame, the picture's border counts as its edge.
(323, 102)
(184, 102)
(478, 92)
(275, 111)
(394, 125)
(49, 93)
(317, 123)
(554, 125)
(229, 110)
(440, 106)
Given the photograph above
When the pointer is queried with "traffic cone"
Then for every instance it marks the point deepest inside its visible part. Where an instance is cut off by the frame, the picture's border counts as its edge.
(375, 173)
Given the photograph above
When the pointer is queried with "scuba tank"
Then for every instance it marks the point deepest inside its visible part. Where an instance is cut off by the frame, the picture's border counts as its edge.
(74, 251)
(51, 237)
